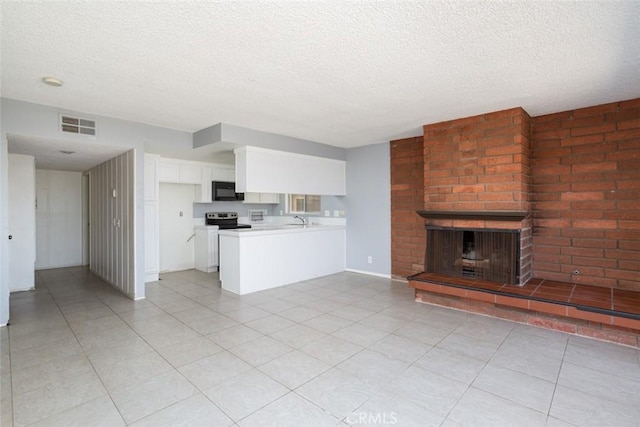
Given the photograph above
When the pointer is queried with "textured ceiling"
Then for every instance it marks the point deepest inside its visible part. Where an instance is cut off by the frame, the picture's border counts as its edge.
(337, 72)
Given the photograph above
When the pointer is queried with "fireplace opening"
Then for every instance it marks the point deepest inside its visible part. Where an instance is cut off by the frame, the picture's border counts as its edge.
(477, 254)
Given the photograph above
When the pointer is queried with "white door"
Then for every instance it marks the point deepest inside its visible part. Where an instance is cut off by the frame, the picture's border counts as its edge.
(176, 227)
(22, 222)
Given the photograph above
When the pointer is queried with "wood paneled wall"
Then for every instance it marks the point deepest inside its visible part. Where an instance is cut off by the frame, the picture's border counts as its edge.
(112, 222)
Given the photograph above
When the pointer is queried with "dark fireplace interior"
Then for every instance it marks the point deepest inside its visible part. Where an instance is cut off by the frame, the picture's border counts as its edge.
(477, 254)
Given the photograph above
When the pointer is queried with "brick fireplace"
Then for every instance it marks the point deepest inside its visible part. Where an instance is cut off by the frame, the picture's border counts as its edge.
(573, 176)
(477, 181)
(567, 184)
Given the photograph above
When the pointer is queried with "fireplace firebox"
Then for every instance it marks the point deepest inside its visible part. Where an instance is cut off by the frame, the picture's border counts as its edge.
(480, 254)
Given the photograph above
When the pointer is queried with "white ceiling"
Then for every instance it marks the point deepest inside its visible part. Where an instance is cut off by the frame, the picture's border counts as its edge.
(343, 73)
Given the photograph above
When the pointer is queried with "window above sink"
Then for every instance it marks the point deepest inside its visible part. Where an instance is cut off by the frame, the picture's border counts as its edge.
(303, 204)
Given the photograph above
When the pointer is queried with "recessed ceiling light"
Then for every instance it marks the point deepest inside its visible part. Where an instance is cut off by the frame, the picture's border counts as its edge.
(67, 152)
(52, 81)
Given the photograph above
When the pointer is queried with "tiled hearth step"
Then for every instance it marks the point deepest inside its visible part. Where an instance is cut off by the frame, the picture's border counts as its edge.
(575, 301)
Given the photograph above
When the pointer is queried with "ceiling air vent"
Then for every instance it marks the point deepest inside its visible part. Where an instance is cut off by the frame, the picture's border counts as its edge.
(70, 124)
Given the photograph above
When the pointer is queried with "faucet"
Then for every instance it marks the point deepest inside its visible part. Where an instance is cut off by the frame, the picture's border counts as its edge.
(301, 219)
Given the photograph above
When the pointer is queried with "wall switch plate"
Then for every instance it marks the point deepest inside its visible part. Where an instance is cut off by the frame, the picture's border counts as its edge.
(336, 213)
(369, 259)
(281, 213)
(327, 213)
(342, 213)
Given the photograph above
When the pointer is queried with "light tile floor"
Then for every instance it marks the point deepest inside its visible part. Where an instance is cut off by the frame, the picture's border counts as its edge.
(346, 349)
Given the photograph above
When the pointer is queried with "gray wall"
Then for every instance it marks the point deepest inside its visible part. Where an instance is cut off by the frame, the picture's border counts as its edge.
(368, 206)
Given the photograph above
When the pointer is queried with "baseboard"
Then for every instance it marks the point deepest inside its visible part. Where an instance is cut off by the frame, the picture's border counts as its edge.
(151, 277)
(368, 273)
(32, 288)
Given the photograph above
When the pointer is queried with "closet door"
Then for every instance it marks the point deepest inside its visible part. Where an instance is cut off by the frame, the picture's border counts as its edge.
(22, 222)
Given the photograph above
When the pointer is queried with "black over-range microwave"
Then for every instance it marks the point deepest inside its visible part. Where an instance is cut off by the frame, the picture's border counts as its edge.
(225, 192)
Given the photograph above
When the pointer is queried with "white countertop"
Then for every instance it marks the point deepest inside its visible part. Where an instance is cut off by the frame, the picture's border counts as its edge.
(264, 229)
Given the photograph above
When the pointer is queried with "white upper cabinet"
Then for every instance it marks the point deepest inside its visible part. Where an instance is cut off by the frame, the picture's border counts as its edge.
(150, 176)
(168, 172)
(179, 172)
(176, 171)
(190, 174)
(203, 189)
(261, 170)
(272, 198)
(224, 175)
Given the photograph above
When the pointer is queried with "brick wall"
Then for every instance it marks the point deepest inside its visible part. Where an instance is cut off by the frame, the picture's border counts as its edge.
(585, 169)
(478, 163)
(586, 195)
(407, 194)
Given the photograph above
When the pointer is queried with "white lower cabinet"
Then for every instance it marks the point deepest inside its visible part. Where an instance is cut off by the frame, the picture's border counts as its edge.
(255, 260)
(203, 190)
(206, 250)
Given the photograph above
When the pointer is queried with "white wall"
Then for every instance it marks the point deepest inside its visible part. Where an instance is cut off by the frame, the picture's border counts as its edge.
(59, 231)
(176, 226)
(4, 226)
(112, 210)
(22, 219)
(368, 206)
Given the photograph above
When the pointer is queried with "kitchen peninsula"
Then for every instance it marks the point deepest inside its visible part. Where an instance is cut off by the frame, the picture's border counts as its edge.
(266, 257)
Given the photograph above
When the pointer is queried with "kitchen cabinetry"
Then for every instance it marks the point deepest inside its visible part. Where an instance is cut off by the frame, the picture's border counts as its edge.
(200, 174)
(252, 260)
(168, 172)
(263, 170)
(206, 248)
(151, 217)
(225, 175)
(151, 176)
(273, 198)
(190, 174)
(203, 189)
(174, 172)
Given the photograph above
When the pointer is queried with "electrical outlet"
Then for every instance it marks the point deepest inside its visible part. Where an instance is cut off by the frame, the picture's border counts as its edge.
(341, 213)
(327, 213)
(281, 212)
(369, 259)
(336, 213)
